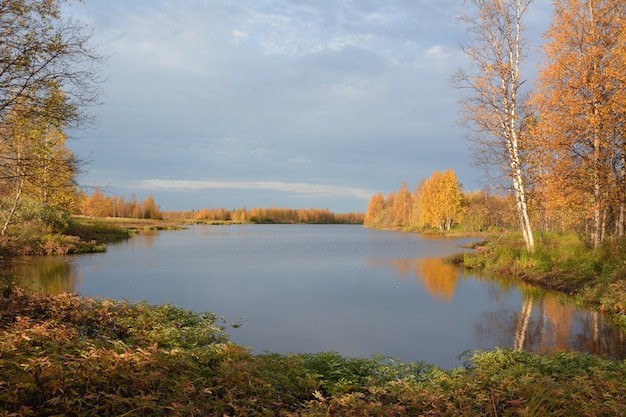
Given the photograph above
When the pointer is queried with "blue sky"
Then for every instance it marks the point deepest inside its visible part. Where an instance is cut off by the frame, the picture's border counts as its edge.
(302, 103)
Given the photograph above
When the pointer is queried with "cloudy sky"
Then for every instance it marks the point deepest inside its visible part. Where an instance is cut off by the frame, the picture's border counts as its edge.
(300, 103)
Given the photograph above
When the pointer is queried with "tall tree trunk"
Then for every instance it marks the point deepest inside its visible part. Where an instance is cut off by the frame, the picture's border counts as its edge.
(521, 201)
(496, 108)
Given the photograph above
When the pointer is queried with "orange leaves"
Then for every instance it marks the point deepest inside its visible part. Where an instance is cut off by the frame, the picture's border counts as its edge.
(580, 104)
(267, 215)
(99, 205)
(375, 209)
(437, 202)
(440, 200)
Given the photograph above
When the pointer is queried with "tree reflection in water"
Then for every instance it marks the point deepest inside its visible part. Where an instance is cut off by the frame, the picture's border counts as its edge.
(46, 274)
(544, 321)
(439, 278)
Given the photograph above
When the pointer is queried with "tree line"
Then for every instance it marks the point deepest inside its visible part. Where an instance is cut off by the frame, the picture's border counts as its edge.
(267, 215)
(439, 203)
(99, 205)
(562, 142)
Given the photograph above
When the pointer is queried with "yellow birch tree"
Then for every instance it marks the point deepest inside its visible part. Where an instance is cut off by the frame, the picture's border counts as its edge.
(375, 210)
(440, 200)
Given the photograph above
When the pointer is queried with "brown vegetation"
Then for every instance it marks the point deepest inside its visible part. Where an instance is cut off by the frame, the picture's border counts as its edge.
(67, 355)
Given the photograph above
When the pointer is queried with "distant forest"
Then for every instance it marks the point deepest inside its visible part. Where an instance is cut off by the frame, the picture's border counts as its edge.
(99, 205)
(268, 215)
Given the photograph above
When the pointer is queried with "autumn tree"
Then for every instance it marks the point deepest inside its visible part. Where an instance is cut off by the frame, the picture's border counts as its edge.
(34, 163)
(581, 105)
(486, 211)
(47, 77)
(494, 108)
(150, 209)
(440, 200)
(375, 209)
(99, 205)
(387, 218)
(41, 51)
(94, 205)
(402, 205)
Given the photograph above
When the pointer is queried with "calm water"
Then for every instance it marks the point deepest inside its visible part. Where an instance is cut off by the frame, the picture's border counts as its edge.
(311, 288)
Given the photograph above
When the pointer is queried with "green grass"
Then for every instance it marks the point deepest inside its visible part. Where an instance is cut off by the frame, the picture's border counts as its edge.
(68, 355)
(98, 231)
(75, 238)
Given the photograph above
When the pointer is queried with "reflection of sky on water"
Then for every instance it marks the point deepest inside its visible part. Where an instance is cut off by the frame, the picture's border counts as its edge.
(316, 288)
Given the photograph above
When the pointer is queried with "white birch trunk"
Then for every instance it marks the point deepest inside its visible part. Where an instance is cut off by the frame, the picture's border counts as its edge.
(13, 208)
(496, 108)
(521, 199)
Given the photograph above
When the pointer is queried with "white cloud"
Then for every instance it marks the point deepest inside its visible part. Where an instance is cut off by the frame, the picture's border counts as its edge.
(288, 187)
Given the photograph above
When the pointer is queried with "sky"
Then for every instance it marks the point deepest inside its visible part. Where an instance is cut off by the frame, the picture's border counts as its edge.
(259, 103)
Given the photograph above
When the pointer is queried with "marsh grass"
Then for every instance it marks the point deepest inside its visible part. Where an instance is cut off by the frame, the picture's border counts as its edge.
(96, 230)
(68, 355)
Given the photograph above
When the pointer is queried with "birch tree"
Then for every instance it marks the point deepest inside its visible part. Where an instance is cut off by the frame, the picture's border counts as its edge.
(494, 107)
(375, 211)
(48, 75)
(440, 200)
(402, 206)
(34, 162)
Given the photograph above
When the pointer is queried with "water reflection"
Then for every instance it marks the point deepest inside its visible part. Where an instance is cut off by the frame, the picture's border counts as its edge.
(309, 288)
(47, 274)
(145, 239)
(545, 321)
(438, 278)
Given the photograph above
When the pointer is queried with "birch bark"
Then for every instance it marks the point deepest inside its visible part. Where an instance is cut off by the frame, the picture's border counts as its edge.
(494, 109)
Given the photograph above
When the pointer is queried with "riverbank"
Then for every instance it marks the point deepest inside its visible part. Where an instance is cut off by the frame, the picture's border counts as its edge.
(130, 224)
(68, 355)
(79, 234)
(595, 277)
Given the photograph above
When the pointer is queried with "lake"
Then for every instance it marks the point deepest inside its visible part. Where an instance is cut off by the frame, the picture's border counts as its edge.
(312, 288)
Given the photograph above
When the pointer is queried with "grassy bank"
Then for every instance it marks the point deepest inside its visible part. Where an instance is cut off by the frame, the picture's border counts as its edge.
(128, 224)
(563, 263)
(67, 355)
(70, 237)
(76, 234)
